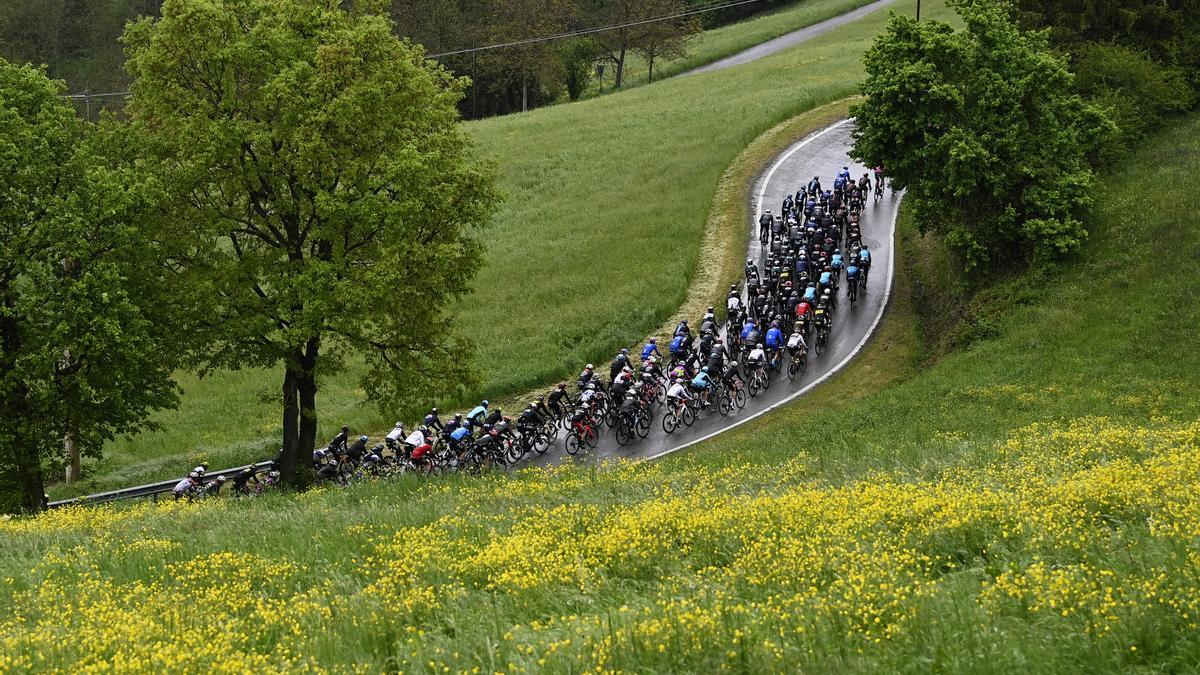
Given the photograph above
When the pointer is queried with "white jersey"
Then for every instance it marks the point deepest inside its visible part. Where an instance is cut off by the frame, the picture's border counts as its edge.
(182, 486)
(415, 438)
(586, 395)
(677, 390)
(757, 355)
(396, 433)
(734, 302)
(795, 341)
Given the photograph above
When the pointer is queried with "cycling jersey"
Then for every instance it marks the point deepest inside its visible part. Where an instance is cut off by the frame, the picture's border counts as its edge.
(852, 272)
(774, 338)
(810, 294)
(649, 350)
(476, 413)
(396, 433)
(757, 355)
(700, 381)
(415, 438)
(802, 309)
(677, 391)
(459, 434)
(865, 256)
(747, 330)
(826, 278)
(836, 261)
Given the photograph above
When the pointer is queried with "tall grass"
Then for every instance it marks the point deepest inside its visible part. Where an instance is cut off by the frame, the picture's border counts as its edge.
(594, 247)
(1026, 503)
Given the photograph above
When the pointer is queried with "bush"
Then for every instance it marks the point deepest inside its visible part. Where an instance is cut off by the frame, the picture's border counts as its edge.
(1138, 93)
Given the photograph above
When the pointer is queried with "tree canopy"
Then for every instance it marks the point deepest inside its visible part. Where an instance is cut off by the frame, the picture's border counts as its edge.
(323, 189)
(87, 332)
(981, 126)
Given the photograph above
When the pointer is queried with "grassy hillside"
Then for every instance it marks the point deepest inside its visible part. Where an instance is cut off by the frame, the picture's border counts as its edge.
(717, 43)
(1026, 503)
(593, 249)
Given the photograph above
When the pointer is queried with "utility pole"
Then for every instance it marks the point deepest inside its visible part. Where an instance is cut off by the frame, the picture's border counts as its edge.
(918, 10)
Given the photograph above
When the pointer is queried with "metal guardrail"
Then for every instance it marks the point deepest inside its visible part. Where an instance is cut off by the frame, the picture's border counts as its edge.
(151, 490)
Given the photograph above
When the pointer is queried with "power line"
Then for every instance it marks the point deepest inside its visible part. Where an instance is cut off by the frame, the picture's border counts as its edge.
(590, 31)
(517, 43)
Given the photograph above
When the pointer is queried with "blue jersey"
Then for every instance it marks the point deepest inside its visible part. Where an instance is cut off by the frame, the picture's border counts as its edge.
(479, 411)
(839, 182)
(836, 261)
(864, 255)
(851, 272)
(700, 380)
(810, 294)
(774, 338)
(826, 277)
(459, 433)
(844, 174)
(747, 330)
(648, 351)
(801, 265)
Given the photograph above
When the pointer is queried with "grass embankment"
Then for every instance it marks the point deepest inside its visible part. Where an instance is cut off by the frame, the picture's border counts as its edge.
(718, 43)
(595, 247)
(1028, 503)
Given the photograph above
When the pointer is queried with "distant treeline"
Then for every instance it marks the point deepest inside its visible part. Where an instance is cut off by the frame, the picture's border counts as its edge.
(80, 41)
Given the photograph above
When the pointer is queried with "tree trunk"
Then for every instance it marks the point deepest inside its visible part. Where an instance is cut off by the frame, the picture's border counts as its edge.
(29, 473)
(620, 75)
(71, 445)
(307, 385)
(524, 93)
(650, 76)
(289, 455)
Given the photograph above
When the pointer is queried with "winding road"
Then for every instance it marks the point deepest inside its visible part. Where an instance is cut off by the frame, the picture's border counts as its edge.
(820, 154)
(788, 39)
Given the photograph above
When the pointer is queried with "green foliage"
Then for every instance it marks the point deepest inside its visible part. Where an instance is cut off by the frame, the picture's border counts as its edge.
(319, 191)
(86, 327)
(1136, 92)
(981, 127)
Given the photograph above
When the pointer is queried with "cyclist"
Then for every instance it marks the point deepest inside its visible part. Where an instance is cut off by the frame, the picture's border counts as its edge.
(852, 274)
(242, 480)
(774, 340)
(764, 224)
(586, 377)
(355, 450)
(559, 398)
(651, 349)
(836, 261)
(397, 434)
(796, 344)
(879, 178)
(701, 384)
(814, 186)
(478, 413)
(618, 364)
(338, 443)
(810, 293)
(529, 421)
(682, 330)
(677, 392)
(757, 357)
(213, 487)
(864, 258)
(844, 173)
(431, 420)
(864, 185)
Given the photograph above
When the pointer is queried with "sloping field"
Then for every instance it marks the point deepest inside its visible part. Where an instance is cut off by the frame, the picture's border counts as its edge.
(1027, 503)
(593, 249)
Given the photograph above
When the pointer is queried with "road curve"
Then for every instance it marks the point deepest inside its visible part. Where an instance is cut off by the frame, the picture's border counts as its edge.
(788, 39)
(819, 154)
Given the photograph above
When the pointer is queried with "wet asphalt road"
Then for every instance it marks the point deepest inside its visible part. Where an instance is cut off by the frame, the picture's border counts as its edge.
(789, 39)
(821, 154)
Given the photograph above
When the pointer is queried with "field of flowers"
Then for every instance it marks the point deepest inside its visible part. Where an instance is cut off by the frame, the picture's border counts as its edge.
(1029, 502)
(1069, 546)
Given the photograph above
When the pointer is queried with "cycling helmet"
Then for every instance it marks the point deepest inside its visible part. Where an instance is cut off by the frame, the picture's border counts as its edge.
(749, 261)
(826, 292)
(811, 285)
(364, 439)
(710, 309)
(733, 287)
(562, 385)
(433, 411)
(221, 479)
(589, 367)
(423, 429)
(457, 417)
(647, 377)
(345, 428)
(837, 250)
(653, 341)
(758, 346)
(704, 369)
(816, 178)
(653, 359)
(774, 324)
(624, 352)
(627, 369)
(272, 474)
(592, 386)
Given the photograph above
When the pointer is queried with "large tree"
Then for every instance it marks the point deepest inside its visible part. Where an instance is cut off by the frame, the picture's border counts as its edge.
(530, 64)
(981, 126)
(88, 338)
(320, 174)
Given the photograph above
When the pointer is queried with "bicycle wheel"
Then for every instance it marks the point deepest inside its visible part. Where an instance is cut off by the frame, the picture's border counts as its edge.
(624, 432)
(793, 367)
(643, 426)
(572, 443)
(688, 416)
(739, 398)
(670, 422)
(592, 437)
(724, 404)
